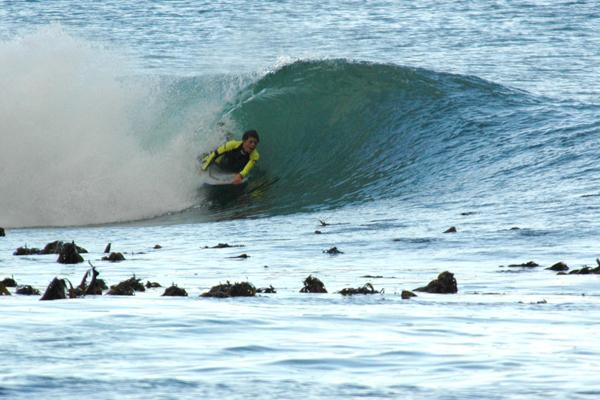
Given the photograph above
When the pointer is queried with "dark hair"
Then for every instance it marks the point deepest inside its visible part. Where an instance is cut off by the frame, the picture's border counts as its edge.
(250, 134)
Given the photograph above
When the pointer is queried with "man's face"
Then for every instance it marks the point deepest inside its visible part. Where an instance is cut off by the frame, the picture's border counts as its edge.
(250, 144)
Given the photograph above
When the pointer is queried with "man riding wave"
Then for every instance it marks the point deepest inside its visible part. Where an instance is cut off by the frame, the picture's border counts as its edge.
(235, 156)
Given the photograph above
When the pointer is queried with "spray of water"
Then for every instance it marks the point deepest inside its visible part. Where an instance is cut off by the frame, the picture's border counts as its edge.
(82, 142)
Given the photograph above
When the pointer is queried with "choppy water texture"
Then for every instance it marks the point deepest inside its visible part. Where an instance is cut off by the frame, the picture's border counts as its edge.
(389, 121)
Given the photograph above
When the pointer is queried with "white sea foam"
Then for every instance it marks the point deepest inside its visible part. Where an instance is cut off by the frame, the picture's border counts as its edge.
(78, 138)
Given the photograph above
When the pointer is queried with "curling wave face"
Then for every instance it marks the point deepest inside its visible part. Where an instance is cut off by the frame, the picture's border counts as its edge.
(86, 142)
(340, 132)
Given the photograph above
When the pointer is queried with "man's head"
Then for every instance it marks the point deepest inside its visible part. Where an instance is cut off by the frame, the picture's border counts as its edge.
(250, 139)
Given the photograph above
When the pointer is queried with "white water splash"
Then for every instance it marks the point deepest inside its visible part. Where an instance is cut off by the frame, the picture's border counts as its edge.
(74, 136)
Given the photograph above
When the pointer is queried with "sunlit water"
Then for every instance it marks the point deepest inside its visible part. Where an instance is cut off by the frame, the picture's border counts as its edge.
(484, 158)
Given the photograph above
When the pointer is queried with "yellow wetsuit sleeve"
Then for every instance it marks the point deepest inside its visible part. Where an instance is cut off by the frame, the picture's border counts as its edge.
(250, 164)
(224, 148)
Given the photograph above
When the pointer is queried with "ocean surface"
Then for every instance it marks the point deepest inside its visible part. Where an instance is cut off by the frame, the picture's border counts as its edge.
(382, 124)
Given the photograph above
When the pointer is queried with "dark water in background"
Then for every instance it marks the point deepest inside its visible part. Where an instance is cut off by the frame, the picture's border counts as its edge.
(392, 121)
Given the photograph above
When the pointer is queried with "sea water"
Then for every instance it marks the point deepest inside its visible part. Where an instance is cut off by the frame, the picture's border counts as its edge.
(382, 123)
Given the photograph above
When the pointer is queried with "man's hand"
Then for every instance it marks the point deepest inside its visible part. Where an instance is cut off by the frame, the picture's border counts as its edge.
(237, 179)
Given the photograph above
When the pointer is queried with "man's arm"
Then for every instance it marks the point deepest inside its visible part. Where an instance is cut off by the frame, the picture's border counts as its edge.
(206, 161)
(249, 165)
(219, 151)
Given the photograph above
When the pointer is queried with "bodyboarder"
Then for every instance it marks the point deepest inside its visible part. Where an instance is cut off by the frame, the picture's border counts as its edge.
(235, 156)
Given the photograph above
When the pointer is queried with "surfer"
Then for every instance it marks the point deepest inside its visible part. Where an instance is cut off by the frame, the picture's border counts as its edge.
(235, 156)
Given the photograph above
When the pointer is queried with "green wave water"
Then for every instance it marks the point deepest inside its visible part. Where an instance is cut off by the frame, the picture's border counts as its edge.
(338, 132)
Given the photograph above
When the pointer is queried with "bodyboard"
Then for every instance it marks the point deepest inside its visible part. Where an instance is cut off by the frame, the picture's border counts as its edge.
(214, 176)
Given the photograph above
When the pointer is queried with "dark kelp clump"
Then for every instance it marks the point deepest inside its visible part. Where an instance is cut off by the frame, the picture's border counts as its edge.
(69, 254)
(127, 288)
(313, 285)
(57, 246)
(174, 290)
(9, 282)
(58, 290)
(241, 256)
(367, 288)
(101, 284)
(28, 290)
(559, 266)
(587, 270)
(26, 251)
(528, 264)
(241, 289)
(94, 288)
(114, 257)
(333, 251)
(269, 289)
(445, 283)
(223, 246)
(3, 290)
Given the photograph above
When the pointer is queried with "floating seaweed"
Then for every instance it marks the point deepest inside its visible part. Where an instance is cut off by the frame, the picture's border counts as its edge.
(245, 289)
(114, 257)
(445, 283)
(27, 290)
(269, 289)
(174, 290)
(223, 246)
(367, 288)
(127, 287)
(333, 251)
(313, 285)
(58, 290)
